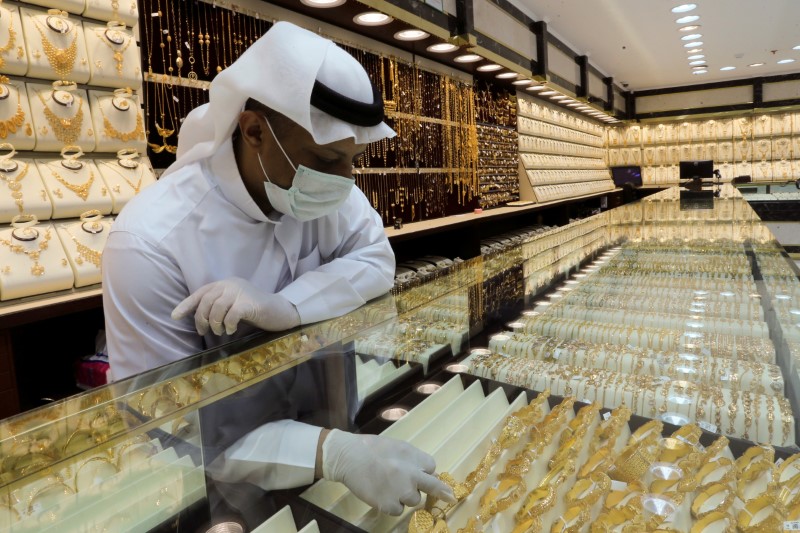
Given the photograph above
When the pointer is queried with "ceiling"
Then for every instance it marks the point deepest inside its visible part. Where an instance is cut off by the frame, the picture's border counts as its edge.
(637, 42)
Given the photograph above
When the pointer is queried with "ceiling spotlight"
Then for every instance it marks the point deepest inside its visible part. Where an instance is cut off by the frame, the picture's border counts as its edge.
(784, 61)
(687, 19)
(727, 68)
(694, 50)
(548, 93)
(491, 67)
(372, 18)
(507, 75)
(323, 3)
(467, 58)
(691, 37)
(536, 88)
(756, 65)
(411, 35)
(796, 47)
(522, 82)
(689, 28)
(701, 71)
(442, 48)
(699, 62)
(683, 8)
(693, 44)
(698, 56)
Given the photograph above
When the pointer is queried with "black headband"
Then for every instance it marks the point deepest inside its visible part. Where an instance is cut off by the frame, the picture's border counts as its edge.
(351, 111)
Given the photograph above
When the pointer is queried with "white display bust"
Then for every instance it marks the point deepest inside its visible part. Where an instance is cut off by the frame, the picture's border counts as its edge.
(15, 115)
(125, 177)
(13, 59)
(32, 260)
(74, 186)
(113, 55)
(61, 116)
(47, 34)
(84, 242)
(118, 121)
(21, 188)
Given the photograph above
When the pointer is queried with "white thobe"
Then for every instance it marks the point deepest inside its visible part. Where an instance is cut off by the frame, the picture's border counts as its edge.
(200, 225)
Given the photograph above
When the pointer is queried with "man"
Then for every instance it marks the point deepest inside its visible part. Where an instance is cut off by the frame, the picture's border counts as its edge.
(257, 225)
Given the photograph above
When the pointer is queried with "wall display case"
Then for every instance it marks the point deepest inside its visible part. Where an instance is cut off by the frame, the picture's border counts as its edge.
(561, 155)
(647, 378)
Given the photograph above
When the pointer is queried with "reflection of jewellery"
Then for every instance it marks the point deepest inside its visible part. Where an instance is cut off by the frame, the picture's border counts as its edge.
(66, 130)
(62, 60)
(93, 471)
(46, 498)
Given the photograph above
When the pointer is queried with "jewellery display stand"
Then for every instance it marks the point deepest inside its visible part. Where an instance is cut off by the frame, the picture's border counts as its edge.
(56, 46)
(126, 11)
(113, 56)
(15, 115)
(84, 248)
(73, 192)
(561, 155)
(118, 122)
(31, 267)
(58, 125)
(13, 57)
(125, 183)
(22, 191)
(72, 6)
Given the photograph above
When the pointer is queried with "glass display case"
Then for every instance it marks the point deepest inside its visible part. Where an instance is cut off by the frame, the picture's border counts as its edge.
(635, 368)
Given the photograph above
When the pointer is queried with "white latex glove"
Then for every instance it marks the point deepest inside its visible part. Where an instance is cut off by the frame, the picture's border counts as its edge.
(221, 305)
(383, 472)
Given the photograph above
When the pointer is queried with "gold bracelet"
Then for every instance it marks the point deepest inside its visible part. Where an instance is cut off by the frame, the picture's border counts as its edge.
(721, 506)
(724, 464)
(773, 522)
(572, 521)
(752, 473)
(712, 518)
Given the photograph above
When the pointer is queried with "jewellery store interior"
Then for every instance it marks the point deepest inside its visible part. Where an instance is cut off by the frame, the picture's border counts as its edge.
(595, 317)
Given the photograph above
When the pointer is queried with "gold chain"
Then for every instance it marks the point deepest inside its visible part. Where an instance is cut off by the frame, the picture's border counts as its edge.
(110, 131)
(81, 190)
(84, 252)
(62, 60)
(118, 57)
(15, 186)
(138, 185)
(12, 38)
(36, 269)
(66, 130)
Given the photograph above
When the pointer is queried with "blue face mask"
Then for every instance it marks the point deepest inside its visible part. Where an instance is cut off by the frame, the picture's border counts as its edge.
(313, 194)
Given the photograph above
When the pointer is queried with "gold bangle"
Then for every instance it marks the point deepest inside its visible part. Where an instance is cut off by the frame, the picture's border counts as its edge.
(632, 464)
(773, 522)
(95, 476)
(619, 498)
(572, 521)
(752, 473)
(722, 506)
(723, 463)
(587, 491)
(673, 450)
(753, 455)
(539, 501)
(645, 430)
(689, 433)
(793, 463)
(558, 473)
(601, 457)
(56, 490)
(701, 525)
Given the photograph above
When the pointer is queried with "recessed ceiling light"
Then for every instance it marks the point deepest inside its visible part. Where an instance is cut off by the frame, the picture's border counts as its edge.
(548, 93)
(784, 61)
(522, 82)
(323, 3)
(372, 18)
(728, 68)
(796, 47)
(491, 67)
(683, 8)
(701, 71)
(689, 28)
(691, 37)
(557, 97)
(467, 58)
(535, 88)
(694, 50)
(507, 75)
(693, 44)
(756, 65)
(700, 62)
(698, 56)
(687, 19)
(411, 35)
(442, 48)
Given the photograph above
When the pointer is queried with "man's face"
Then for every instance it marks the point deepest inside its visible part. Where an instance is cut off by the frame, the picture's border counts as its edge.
(334, 158)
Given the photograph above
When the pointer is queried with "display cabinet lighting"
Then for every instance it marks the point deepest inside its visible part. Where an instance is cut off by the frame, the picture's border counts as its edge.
(691, 37)
(756, 65)
(696, 56)
(522, 82)
(441, 48)
(372, 18)
(536, 88)
(700, 71)
(784, 61)
(689, 28)
(796, 47)
(687, 19)
(700, 62)
(693, 44)
(573, 104)
(728, 68)
(548, 93)
(694, 50)
(683, 8)
(491, 67)
(468, 58)
(507, 75)
(323, 3)
(411, 35)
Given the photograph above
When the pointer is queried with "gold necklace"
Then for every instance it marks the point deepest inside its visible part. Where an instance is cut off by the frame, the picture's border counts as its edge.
(138, 185)
(15, 186)
(136, 133)
(33, 255)
(10, 125)
(114, 46)
(12, 37)
(81, 190)
(84, 252)
(66, 130)
(62, 60)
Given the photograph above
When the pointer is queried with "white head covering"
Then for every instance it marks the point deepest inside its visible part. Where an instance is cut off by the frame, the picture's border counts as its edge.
(279, 70)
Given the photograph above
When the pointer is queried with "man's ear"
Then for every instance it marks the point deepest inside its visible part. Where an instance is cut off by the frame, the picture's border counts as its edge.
(252, 128)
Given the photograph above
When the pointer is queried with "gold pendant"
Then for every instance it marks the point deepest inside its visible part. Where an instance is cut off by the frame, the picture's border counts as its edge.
(37, 269)
(28, 129)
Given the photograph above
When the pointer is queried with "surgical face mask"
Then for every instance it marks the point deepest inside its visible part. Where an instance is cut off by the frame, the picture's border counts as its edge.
(313, 194)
